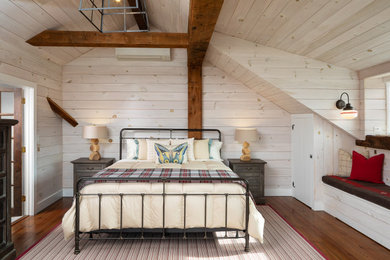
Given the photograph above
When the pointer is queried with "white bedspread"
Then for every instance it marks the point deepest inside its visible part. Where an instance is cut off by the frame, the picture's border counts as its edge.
(174, 206)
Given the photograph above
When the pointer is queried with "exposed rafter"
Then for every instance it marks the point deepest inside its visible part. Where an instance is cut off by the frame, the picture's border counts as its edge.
(201, 22)
(97, 39)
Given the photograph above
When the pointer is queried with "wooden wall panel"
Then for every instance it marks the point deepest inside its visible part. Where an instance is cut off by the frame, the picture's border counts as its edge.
(20, 62)
(154, 94)
(289, 80)
(375, 107)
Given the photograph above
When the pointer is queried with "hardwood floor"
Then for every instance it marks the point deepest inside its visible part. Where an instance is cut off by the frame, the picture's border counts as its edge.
(29, 230)
(332, 237)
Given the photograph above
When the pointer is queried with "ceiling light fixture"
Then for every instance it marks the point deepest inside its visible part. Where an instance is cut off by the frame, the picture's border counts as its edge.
(348, 112)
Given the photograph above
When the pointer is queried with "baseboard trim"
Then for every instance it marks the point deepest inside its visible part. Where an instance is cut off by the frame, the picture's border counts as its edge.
(44, 203)
(277, 192)
(67, 192)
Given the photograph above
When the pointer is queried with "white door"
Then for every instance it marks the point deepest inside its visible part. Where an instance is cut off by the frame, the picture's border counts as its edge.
(302, 142)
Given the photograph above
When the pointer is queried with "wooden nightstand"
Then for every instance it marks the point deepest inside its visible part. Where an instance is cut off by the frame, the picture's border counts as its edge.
(83, 167)
(253, 172)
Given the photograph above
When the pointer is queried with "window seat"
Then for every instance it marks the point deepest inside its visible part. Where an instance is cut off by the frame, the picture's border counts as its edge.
(363, 206)
(373, 192)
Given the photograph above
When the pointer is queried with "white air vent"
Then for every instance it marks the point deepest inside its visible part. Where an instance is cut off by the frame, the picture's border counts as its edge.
(156, 54)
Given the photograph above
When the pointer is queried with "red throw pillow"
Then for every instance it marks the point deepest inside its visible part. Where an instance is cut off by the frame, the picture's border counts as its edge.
(364, 169)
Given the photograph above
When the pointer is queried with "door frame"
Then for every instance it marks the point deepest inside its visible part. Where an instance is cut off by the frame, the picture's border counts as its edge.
(29, 138)
(17, 113)
(311, 139)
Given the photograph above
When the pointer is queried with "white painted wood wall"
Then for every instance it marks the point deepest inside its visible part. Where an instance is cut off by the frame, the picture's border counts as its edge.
(98, 89)
(23, 61)
(313, 83)
(375, 110)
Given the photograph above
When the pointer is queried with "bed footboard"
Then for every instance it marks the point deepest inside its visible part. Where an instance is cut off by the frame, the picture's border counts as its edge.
(121, 232)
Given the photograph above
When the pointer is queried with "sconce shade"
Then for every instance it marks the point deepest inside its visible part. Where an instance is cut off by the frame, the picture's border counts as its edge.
(347, 112)
(94, 132)
(246, 135)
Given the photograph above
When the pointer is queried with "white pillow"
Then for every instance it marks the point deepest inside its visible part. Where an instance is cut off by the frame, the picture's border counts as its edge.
(201, 149)
(151, 153)
(215, 150)
(131, 149)
(142, 149)
(190, 150)
(136, 149)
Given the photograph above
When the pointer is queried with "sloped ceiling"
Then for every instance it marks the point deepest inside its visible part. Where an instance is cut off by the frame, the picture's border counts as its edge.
(349, 33)
(22, 19)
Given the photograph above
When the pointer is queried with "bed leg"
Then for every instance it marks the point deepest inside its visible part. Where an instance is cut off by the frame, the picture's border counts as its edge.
(247, 217)
(246, 241)
(77, 226)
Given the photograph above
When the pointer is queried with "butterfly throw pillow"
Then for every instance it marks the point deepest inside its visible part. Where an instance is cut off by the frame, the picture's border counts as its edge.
(171, 154)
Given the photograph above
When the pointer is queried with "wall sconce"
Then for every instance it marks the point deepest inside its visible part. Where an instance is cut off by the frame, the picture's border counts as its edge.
(348, 112)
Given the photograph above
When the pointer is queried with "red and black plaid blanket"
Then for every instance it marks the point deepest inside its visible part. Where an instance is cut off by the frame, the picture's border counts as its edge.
(168, 174)
(165, 173)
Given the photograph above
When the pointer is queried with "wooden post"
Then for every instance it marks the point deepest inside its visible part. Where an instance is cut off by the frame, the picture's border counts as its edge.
(195, 93)
(202, 18)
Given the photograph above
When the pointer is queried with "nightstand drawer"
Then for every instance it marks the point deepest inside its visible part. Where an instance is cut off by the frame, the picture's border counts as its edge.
(88, 167)
(247, 168)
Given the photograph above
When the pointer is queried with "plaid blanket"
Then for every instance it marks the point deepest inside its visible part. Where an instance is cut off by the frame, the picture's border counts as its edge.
(147, 175)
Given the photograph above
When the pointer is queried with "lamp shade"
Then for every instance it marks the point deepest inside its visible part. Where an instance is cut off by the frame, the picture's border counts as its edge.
(94, 132)
(349, 114)
(246, 134)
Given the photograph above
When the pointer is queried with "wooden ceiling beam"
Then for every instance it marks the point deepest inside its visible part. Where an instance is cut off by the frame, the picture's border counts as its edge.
(139, 18)
(201, 22)
(113, 40)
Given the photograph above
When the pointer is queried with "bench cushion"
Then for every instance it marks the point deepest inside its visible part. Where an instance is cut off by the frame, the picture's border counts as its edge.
(373, 192)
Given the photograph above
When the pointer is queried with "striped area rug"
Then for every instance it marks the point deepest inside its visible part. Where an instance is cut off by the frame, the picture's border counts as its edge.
(281, 241)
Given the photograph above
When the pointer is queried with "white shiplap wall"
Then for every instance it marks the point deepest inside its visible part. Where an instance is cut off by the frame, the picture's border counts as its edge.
(315, 84)
(17, 60)
(98, 89)
(375, 110)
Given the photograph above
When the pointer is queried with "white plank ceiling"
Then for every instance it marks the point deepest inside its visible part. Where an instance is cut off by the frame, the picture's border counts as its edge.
(22, 19)
(350, 33)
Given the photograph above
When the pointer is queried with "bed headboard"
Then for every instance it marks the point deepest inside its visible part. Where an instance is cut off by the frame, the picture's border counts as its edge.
(160, 133)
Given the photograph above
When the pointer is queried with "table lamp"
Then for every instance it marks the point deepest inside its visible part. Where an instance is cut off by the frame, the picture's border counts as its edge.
(94, 133)
(244, 136)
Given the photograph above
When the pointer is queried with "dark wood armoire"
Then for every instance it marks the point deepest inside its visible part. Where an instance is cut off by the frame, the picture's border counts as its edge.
(7, 250)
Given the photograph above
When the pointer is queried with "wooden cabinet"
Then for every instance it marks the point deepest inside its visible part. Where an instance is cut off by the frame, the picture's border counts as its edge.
(7, 250)
(253, 172)
(83, 167)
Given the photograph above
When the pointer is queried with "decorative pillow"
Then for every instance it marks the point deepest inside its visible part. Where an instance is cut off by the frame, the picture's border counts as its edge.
(215, 150)
(369, 170)
(171, 154)
(201, 149)
(132, 149)
(151, 153)
(136, 149)
(345, 162)
(190, 150)
(142, 149)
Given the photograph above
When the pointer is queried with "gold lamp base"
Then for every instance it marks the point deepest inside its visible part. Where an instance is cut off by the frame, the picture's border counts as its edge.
(246, 152)
(95, 155)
